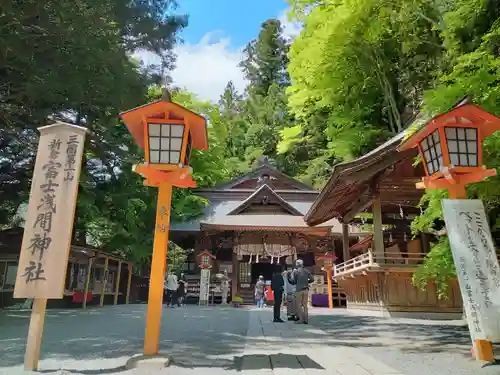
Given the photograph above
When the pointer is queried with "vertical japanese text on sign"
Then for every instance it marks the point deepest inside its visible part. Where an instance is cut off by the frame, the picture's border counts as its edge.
(46, 209)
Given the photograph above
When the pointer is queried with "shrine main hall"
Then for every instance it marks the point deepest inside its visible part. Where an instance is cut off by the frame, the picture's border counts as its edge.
(254, 225)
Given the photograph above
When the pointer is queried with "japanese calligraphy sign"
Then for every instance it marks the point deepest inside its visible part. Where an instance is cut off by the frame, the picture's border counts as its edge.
(476, 264)
(49, 221)
(204, 286)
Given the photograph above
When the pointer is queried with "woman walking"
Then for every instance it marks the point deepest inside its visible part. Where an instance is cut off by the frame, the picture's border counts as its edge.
(259, 292)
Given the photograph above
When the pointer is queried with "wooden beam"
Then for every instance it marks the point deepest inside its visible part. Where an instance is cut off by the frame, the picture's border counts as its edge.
(117, 285)
(378, 235)
(345, 242)
(129, 281)
(359, 206)
(364, 173)
(104, 280)
(87, 282)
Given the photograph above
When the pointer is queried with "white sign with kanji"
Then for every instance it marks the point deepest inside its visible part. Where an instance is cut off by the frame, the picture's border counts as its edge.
(204, 286)
(476, 265)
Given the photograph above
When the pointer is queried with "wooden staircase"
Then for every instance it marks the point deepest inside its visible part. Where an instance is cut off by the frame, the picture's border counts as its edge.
(248, 295)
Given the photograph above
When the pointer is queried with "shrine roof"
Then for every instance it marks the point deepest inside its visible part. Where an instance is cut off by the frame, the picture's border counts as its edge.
(222, 208)
(353, 185)
(274, 223)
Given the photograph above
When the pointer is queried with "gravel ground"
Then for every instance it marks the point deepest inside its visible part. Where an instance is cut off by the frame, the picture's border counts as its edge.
(210, 340)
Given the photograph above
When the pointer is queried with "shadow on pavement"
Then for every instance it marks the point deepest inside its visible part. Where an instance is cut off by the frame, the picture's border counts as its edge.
(86, 341)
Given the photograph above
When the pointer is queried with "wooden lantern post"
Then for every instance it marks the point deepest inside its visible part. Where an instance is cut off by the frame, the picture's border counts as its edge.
(328, 260)
(167, 132)
(450, 146)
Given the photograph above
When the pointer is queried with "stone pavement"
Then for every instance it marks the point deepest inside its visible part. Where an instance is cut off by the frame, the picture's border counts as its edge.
(215, 340)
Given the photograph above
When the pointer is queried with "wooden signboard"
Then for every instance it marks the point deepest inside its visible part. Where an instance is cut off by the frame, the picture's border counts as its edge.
(204, 286)
(477, 265)
(49, 221)
(49, 224)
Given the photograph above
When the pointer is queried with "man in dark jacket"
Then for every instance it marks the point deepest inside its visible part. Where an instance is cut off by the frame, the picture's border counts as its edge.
(277, 286)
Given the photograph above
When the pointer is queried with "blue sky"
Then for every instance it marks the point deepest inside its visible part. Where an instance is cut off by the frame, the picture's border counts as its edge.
(238, 19)
(213, 42)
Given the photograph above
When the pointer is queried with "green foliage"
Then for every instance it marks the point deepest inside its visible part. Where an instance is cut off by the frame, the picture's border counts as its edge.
(438, 267)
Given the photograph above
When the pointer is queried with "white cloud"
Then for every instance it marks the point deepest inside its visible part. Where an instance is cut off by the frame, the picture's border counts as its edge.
(206, 67)
(291, 29)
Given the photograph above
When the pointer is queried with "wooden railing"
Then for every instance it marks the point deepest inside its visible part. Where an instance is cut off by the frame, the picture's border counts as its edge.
(370, 259)
(358, 263)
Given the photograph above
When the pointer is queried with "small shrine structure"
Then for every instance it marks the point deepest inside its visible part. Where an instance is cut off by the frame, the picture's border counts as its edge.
(378, 190)
(254, 225)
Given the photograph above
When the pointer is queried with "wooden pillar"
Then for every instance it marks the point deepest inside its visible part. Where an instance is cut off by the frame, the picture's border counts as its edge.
(234, 275)
(35, 332)
(129, 281)
(117, 283)
(87, 282)
(378, 234)
(104, 281)
(329, 283)
(345, 242)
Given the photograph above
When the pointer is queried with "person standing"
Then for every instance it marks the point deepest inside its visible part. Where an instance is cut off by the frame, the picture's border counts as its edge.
(289, 292)
(181, 290)
(301, 277)
(259, 292)
(172, 286)
(277, 285)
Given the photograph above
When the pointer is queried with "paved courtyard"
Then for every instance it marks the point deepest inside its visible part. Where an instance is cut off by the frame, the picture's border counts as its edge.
(216, 340)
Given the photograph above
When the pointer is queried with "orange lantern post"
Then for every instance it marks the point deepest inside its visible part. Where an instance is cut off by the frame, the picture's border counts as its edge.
(450, 146)
(328, 260)
(167, 132)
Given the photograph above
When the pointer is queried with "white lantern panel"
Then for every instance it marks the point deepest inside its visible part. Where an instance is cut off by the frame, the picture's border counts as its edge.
(154, 143)
(165, 143)
(473, 160)
(176, 144)
(462, 146)
(177, 131)
(154, 157)
(164, 157)
(175, 157)
(471, 134)
(452, 146)
(431, 147)
(154, 130)
(461, 133)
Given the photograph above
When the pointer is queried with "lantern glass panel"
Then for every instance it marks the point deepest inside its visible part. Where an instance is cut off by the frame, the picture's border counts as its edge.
(165, 143)
(205, 259)
(462, 146)
(433, 154)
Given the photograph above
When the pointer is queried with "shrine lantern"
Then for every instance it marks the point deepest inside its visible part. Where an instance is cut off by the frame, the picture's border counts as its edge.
(327, 261)
(205, 259)
(450, 146)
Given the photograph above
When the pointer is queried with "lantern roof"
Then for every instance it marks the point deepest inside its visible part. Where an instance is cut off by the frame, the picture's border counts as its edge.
(133, 119)
(328, 256)
(465, 113)
(206, 252)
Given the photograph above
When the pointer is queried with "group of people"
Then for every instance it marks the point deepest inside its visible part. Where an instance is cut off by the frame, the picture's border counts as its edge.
(292, 283)
(174, 290)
